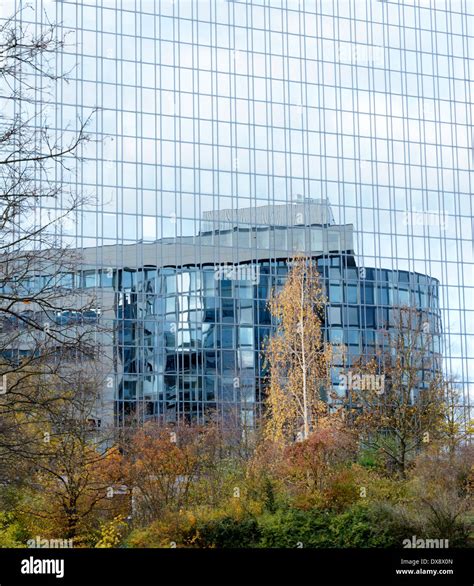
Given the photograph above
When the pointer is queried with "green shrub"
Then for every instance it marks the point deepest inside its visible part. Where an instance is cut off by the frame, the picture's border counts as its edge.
(292, 527)
(228, 532)
(12, 532)
(362, 526)
(371, 459)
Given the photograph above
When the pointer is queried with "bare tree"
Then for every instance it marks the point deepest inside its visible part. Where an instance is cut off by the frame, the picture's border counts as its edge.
(46, 319)
(403, 412)
(457, 428)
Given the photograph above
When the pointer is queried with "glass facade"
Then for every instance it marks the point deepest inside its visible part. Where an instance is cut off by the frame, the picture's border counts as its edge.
(223, 131)
(190, 344)
(189, 337)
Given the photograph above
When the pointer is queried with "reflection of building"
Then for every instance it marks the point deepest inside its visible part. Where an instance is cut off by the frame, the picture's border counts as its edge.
(191, 312)
(206, 106)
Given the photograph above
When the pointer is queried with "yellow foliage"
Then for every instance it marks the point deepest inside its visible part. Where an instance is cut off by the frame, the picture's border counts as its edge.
(111, 533)
(296, 356)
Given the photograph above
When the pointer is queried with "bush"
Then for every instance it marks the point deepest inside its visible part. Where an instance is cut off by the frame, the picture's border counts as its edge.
(363, 526)
(342, 490)
(173, 530)
(360, 526)
(403, 521)
(371, 459)
(293, 527)
(12, 532)
(111, 532)
(228, 532)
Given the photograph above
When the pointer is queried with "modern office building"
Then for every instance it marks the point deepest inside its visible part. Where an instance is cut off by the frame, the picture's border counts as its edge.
(222, 129)
(189, 336)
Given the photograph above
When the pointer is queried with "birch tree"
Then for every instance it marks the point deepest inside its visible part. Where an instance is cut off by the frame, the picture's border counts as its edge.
(297, 358)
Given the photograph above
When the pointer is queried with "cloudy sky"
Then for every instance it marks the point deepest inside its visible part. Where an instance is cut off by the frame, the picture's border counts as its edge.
(219, 104)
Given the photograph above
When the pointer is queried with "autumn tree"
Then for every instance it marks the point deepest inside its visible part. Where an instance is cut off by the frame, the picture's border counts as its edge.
(166, 464)
(72, 467)
(297, 358)
(403, 412)
(457, 427)
(326, 448)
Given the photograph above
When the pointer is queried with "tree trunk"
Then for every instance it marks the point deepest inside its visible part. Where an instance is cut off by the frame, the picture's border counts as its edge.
(303, 366)
(72, 521)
